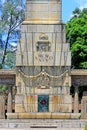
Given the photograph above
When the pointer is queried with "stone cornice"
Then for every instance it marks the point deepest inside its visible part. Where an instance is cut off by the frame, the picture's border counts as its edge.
(73, 72)
(41, 22)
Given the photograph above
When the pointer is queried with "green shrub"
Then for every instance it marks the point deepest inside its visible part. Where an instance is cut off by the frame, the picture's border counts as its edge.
(86, 127)
(3, 89)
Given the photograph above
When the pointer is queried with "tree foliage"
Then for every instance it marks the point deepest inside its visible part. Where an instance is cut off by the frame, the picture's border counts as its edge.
(3, 89)
(77, 34)
(11, 18)
(10, 60)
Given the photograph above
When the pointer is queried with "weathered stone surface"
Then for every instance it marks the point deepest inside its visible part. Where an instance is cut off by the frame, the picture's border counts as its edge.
(53, 124)
(84, 105)
(2, 107)
(76, 100)
(75, 115)
(19, 103)
(43, 11)
(48, 115)
(43, 62)
(7, 77)
(9, 104)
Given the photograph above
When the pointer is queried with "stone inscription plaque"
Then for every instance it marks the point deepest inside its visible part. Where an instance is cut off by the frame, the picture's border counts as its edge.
(43, 59)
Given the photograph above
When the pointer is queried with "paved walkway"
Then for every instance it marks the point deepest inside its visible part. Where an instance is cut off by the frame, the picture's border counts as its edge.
(42, 129)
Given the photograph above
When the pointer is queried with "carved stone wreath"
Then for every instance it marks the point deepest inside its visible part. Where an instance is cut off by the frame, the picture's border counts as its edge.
(43, 81)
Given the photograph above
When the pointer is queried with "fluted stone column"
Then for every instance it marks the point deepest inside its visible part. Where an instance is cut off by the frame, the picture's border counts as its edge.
(76, 100)
(9, 103)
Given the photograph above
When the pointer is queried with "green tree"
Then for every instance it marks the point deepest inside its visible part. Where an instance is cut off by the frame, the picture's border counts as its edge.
(76, 30)
(10, 60)
(77, 12)
(10, 21)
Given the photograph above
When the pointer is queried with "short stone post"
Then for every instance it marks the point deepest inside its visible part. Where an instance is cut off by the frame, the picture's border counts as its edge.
(84, 105)
(9, 103)
(2, 106)
(76, 102)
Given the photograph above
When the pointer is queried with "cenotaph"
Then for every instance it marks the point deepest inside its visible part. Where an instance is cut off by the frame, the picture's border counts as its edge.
(43, 61)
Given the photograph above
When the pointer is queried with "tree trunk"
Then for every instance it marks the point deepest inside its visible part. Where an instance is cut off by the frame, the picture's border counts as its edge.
(5, 50)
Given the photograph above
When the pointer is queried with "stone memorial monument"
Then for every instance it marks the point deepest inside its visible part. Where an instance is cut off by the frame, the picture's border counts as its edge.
(43, 62)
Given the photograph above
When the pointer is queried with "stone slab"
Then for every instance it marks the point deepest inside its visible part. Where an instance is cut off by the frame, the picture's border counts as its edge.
(61, 116)
(43, 116)
(75, 115)
(12, 115)
(34, 124)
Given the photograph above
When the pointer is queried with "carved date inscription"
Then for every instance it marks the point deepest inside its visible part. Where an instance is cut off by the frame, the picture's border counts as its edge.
(44, 58)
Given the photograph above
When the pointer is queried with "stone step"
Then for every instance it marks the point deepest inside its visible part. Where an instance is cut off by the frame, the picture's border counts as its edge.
(42, 129)
(40, 123)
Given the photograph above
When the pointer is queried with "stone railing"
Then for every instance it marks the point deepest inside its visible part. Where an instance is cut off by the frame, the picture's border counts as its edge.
(79, 72)
(7, 72)
(7, 77)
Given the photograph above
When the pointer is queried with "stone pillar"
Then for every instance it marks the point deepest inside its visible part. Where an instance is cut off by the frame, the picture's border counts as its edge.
(9, 103)
(2, 107)
(76, 102)
(84, 106)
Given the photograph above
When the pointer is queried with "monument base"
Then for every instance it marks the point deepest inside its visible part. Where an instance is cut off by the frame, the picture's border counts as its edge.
(43, 115)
